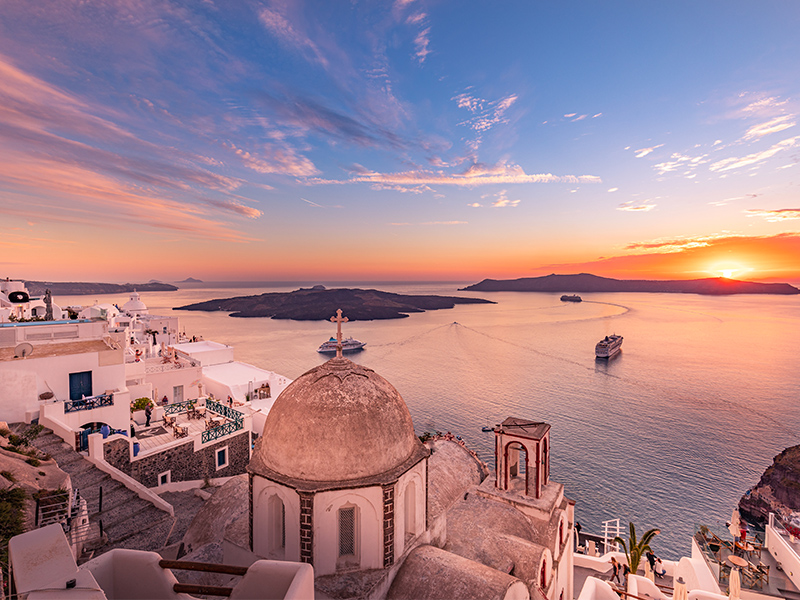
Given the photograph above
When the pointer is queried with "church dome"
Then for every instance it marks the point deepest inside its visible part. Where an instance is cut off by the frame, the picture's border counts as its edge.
(337, 422)
(134, 305)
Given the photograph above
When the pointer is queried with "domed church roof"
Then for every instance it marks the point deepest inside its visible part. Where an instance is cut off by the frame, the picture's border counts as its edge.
(134, 305)
(340, 421)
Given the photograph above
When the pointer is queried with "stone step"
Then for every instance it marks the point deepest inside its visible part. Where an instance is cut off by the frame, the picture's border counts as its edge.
(114, 516)
(152, 538)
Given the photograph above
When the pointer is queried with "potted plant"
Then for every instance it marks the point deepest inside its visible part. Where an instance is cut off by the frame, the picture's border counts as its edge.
(137, 409)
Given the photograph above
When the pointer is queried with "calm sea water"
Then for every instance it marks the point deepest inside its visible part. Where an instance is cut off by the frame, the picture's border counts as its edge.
(668, 434)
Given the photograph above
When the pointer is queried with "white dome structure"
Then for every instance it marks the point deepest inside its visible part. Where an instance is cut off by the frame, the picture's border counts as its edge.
(135, 306)
(337, 471)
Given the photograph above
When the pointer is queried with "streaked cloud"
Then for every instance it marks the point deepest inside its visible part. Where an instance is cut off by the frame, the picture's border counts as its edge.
(775, 216)
(445, 223)
(476, 174)
(487, 113)
(614, 189)
(636, 206)
(729, 164)
(772, 126)
(502, 200)
(290, 37)
(421, 43)
(642, 152)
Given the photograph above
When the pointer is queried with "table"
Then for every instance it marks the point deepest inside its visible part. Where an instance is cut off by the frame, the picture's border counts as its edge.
(738, 561)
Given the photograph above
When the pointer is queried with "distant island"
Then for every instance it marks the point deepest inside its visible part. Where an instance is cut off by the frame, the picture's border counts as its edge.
(585, 282)
(190, 280)
(63, 288)
(318, 304)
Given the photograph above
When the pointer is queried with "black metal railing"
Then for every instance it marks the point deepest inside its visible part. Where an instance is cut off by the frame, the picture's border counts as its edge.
(221, 409)
(88, 403)
(222, 430)
(178, 407)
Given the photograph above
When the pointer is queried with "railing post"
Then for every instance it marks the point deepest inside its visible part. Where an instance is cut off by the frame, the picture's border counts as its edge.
(100, 503)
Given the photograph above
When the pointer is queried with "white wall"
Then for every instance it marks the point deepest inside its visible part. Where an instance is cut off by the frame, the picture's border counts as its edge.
(417, 476)
(263, 489)
(164, 382)
(369, 527)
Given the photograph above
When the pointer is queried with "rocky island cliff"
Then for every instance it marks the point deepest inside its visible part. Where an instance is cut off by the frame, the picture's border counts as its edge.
(318, 303)
(778, 490)
(74, 288)
(585, 282)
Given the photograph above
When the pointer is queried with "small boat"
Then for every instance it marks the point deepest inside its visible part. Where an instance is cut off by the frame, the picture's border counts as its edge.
(608, 346)
(487, 428)
(572, 298)
(348, 345)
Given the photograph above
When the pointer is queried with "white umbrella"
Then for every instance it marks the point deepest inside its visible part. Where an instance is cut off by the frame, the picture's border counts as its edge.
(680, 593)
(735, 523)
(735, 585)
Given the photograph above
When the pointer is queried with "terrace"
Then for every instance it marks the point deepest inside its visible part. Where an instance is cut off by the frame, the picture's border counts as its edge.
(763, 572)
(205, 419)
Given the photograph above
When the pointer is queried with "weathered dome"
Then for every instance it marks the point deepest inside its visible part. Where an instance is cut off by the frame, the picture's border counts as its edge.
(337, 422)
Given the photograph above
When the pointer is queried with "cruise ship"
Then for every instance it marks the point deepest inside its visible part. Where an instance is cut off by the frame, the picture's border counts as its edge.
(608, 346)
(572, 298)
(348, 345)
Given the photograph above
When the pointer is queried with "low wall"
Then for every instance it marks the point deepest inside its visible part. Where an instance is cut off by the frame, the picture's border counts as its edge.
(97, 459)
(47, 417)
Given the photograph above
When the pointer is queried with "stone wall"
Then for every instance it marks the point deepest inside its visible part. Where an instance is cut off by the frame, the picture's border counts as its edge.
(182, 461)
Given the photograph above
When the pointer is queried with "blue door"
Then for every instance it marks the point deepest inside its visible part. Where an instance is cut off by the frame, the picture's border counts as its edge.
(80, 385)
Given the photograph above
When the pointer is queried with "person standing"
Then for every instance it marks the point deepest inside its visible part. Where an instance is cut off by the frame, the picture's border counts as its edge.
(148, 413)
(616, 572)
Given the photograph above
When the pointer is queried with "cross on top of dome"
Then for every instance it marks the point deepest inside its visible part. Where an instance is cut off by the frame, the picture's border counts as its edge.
(339, 319)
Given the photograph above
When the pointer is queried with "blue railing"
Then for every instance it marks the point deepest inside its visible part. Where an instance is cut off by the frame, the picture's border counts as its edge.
(88, 403)
(221, 409)
(214, 434)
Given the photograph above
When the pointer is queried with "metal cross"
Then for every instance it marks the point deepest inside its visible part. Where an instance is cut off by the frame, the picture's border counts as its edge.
(339, 319)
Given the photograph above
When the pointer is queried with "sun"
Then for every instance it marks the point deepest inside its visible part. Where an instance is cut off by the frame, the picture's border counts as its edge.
(727, 273)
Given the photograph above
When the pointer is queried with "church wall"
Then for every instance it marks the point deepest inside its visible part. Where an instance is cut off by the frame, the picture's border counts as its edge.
(417, 476)
(263, 490)
(182, 461)
(369, 528)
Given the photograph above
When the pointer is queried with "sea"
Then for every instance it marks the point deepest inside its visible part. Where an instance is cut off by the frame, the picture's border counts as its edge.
(669, 434)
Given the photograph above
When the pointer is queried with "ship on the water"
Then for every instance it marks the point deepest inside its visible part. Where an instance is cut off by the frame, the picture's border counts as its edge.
(608, 346)
(348, 345)
(571, 298)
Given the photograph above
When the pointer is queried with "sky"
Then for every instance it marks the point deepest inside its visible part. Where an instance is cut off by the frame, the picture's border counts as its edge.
(404, 140)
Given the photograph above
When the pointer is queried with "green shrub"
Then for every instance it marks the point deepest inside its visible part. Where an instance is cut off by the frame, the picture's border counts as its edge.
(140, 403)
(34, 462)
(31, 433)
(4, 432)
(8, 475)
(15, 440)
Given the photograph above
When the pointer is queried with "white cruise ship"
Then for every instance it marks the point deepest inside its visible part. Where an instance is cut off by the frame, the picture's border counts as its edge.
(348, 345)
(608, 346)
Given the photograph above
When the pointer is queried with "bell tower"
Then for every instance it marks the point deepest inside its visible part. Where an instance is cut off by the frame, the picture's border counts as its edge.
(522, 456)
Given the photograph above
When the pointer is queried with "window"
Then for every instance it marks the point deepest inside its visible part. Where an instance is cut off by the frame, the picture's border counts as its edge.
(165, 478)
(80, 385)
(177, 393)
(347, 531)
(222, 458)
(410, 512)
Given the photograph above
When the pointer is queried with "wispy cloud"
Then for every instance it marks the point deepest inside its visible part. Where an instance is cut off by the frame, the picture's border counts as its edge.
(642, 152)
(290, 37)
(636, 206)
(445, 223)
(282, 160)
(487, 113)
(775, 216)
(772, 126)
(728, 164)
(421, 43)
(475, 175)
(502, 200)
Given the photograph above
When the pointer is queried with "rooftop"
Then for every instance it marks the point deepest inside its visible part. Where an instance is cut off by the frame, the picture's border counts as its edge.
(58, 349)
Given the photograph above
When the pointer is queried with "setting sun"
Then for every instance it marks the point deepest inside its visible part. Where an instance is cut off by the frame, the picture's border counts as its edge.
(727, 273)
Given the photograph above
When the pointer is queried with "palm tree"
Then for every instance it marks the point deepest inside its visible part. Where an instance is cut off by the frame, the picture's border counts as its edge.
(634, 550)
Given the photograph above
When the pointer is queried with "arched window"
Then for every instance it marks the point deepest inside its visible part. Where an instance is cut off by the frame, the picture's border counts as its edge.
(543, 575)
(410, 509)
(277, 526)
(561, 532)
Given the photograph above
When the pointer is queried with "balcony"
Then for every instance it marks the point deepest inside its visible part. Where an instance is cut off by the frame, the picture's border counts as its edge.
(88, 403)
